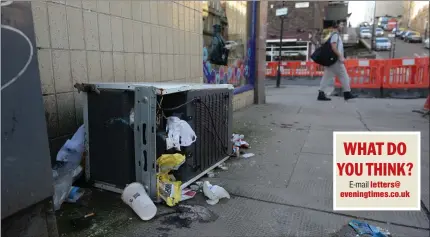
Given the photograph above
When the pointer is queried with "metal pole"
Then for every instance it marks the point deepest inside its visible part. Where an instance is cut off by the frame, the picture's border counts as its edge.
(373, 28)
(394, 42)
(278, 80)
(426, 30)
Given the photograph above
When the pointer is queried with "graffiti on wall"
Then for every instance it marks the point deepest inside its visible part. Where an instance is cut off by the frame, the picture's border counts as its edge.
(236, 73)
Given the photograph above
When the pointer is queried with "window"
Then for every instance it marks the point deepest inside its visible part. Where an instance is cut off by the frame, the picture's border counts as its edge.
(382, 40)
(232, 17)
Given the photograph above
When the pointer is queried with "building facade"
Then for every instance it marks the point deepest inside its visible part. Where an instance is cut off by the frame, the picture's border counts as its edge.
(136, 41)
(390, 8)
(301, 26)
(416, 16)
(124, 41)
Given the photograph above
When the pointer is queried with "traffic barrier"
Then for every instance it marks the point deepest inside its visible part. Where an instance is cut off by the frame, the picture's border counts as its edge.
(381, 77)
(365, 76)
(406, 77)
(295, 69)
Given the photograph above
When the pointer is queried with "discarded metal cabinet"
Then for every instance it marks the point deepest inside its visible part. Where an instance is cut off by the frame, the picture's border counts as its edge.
(125, 123)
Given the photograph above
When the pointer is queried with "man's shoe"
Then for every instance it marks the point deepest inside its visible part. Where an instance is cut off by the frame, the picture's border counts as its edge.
(322, 96)
(348, 95)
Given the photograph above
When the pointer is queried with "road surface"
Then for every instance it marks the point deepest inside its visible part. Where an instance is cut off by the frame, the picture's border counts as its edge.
(404, 49)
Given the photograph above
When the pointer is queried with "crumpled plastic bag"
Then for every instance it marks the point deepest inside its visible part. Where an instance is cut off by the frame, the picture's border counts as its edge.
(169, 190)
(168, 162)
(72, 150)
(214, 193)
(179, 133)
(68, 168)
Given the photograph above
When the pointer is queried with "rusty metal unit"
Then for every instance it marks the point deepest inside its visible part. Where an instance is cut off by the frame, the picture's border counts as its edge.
(125, 123)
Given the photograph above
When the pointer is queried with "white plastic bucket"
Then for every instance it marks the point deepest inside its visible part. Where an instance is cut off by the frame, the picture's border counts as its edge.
(135, 196)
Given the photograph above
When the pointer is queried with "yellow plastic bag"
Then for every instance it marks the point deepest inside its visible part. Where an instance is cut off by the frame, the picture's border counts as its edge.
(168, 190)
(168, 162)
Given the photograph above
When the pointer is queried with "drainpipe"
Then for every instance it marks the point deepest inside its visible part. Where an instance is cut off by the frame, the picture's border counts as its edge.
(252, 47)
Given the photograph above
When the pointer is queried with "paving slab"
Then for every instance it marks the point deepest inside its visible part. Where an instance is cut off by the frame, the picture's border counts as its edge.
(286, 188)
(245, 217)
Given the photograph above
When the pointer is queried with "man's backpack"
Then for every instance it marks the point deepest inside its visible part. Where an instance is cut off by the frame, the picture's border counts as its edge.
(218, 54)
(325, 55)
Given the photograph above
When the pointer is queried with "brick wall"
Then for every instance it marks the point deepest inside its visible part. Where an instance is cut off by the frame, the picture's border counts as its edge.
(111, 41)
(301, 18)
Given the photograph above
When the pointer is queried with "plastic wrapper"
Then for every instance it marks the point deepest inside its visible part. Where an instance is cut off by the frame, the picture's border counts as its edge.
(169, 190)
(168, 162)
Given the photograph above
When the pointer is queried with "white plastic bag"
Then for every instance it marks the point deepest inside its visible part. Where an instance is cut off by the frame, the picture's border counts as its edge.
(179, 133)
(72, 150)
(68, 168)
(214, 193)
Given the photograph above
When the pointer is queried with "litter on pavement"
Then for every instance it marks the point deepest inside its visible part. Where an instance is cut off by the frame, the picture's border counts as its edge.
(188, 193)
(364, 229)
(238, 143)
(248, 155)
(210, 174)
(214, 193)
(67, 168)
(135, 196)
(223, 166)
(75, 194)
(168, 188)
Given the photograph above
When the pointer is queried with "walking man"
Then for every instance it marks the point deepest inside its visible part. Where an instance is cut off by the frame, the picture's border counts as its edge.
(338, 68)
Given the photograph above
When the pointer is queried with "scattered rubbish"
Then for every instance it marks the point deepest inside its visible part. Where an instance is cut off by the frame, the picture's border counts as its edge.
(167, 187)
(186, 214)
(168, 162)
(179, 133)
(210, 174)
(223, 166)
(248, 155)
(75, 194)
(72, 150)
(214, 193)
(83, 221)
(136, 197)
(61, 189)
(68, 168)
(364, 229)
(195, 187)
(187, 193)
(238, 143)
(236, 151)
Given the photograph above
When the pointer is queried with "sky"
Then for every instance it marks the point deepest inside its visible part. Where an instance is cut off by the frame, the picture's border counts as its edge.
(358, 9)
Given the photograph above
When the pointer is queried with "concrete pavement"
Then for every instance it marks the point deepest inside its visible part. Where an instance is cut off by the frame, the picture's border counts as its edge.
(286, 188)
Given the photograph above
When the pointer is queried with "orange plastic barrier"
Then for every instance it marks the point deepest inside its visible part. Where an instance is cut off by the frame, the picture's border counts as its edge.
(406, 73)
(363, 73)
(294, 68)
